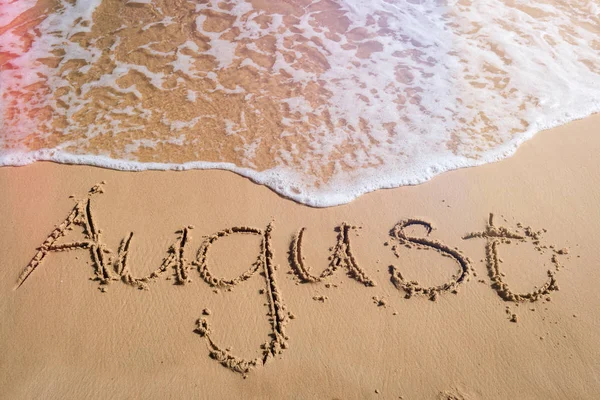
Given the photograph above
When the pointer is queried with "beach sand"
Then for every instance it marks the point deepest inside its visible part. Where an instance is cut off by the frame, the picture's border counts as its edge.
(66, 336)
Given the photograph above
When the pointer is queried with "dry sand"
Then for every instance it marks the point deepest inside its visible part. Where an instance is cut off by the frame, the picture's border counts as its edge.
(86, 324)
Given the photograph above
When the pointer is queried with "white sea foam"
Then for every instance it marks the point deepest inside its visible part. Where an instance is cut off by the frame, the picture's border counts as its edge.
(366, 94)
(11, 9)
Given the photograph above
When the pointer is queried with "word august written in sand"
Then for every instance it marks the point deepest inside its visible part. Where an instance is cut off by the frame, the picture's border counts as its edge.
(113, 266)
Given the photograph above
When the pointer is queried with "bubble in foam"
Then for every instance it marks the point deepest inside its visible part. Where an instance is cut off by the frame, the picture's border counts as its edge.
(320, 100)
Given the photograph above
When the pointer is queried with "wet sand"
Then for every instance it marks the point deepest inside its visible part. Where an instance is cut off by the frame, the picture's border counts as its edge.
(320, 100)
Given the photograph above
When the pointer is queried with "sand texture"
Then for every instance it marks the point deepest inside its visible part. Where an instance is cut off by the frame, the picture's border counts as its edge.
(480, 284)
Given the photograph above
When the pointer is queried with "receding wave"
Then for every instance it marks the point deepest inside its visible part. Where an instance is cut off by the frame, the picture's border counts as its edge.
(321, 100)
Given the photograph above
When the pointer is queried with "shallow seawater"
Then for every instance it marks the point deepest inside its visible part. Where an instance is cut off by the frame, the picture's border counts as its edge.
(320, 100)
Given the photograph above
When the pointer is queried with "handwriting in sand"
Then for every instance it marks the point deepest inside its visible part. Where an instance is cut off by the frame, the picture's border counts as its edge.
(112, 266)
